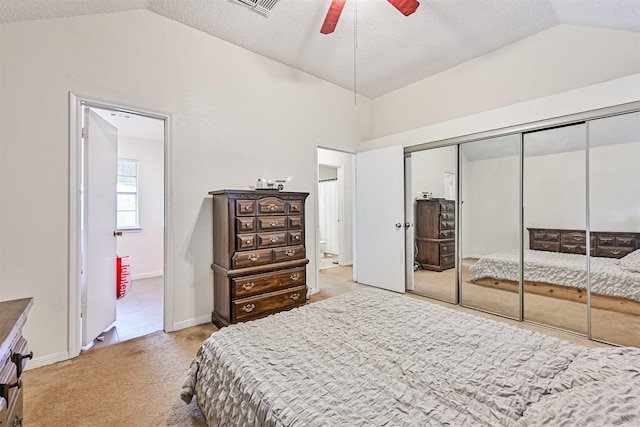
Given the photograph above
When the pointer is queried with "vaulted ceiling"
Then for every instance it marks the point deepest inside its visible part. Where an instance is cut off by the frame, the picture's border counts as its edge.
(374, 49)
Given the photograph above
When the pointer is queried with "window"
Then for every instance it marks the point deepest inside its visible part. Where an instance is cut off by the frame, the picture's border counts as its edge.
(127, 194)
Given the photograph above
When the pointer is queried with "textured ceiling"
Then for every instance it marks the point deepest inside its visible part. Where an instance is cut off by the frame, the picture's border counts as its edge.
(392, 50)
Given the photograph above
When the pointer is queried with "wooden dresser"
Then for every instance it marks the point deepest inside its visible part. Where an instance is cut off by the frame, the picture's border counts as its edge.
(603, 244)
(13, 357)
(259, 257)
(435, 225)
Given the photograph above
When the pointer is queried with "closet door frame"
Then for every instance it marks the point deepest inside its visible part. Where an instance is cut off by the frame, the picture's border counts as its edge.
(521, 129)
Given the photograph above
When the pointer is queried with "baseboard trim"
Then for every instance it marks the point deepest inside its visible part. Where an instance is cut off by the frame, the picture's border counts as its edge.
(192, 322)
(146, 275)
(37, 362)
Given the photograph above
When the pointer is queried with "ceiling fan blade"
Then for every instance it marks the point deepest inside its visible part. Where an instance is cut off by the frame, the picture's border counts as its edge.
(406, 7)
(331, 20)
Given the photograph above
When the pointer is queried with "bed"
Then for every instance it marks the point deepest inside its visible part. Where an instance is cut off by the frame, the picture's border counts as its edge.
(375, 358)
(615, 283)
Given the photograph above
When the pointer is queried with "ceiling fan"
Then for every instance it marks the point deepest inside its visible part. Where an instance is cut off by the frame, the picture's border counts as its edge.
(406, 7)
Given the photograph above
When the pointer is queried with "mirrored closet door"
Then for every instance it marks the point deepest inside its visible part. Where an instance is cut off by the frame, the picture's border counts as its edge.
(490, 225)
(433, 187)
(614, 218)
(554, 227)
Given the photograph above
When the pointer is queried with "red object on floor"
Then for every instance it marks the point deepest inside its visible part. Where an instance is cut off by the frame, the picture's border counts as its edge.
(123, 275)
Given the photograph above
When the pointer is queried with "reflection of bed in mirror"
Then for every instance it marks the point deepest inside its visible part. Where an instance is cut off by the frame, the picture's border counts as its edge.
(555, 266)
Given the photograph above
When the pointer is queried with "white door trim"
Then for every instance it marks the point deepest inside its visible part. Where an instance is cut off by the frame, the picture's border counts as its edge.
(76, 103)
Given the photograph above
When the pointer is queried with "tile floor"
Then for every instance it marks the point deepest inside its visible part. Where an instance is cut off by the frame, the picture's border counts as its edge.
(328, 261)
(139, 313)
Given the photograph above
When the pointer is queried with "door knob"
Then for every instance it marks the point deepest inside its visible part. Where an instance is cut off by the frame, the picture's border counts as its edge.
(117, 233)
(407, 225)
(398, 225)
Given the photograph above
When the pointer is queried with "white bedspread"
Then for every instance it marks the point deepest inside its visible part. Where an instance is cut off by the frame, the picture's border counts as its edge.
(607, 278)
(374, 358)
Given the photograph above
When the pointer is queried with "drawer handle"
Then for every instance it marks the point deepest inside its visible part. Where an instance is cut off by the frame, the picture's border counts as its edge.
(248, 242)
(294, 276)
(248, 286)
(246, 208)
(247, 225)
(272, 207)
(254, 257)
(615, 252)
(297, 237)
(295, 296)
(248, 308)
(273, 239)
(273, 223)
(291, 252)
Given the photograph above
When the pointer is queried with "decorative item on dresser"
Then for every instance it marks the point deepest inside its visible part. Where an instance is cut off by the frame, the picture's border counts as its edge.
(435, 234)
(259, 257)
(13, 357)
(603, 244)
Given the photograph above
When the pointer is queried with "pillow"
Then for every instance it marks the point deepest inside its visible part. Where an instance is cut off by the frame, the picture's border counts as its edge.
(631, 262)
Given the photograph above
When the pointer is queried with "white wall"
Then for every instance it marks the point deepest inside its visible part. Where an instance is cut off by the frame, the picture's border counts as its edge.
(145, 246)
(234, 116)
(345, 161)
(490, 196)
(559, 59)
(614, 187)
(428, 168)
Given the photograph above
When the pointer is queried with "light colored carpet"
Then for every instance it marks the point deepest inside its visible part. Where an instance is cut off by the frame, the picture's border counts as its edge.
(132, 383)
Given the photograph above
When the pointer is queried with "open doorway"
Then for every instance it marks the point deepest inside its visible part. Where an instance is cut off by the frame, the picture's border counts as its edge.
(334, 228)
(121, 226)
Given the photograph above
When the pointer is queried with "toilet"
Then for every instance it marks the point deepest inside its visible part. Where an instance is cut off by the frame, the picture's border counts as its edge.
(323, 247)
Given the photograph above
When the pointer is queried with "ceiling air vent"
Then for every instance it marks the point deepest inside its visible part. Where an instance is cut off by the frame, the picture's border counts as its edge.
(261, 6)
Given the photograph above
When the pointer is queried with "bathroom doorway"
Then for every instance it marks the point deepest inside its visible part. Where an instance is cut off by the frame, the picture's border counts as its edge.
(334, 225)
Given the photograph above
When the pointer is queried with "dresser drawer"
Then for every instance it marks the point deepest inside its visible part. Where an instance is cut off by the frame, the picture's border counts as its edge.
(244, 225)
(447, 260)
(447, 206)
(272, 223)
(251, 258)
(294, 222)
(625, 241)
(21, 354)
(245, 241)
(448, 216)
(447, 225)
(267, 282)
(606, 241)
(270, 240)
(294, 237)
(546, 246)
(288, 253)
(245, 208)
(12, 397)
(295, 207)
(447, 248)
(613, 251)
(576, 249)
(270, 205)
(546, 236)
(447, 234)
(573, 238)
(247, 308)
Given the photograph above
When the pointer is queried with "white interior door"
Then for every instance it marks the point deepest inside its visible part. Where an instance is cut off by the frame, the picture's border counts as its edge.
(100, 145)
(380, 251)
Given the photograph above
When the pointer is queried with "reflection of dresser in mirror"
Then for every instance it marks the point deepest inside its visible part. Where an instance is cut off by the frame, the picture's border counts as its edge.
(435, 223)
